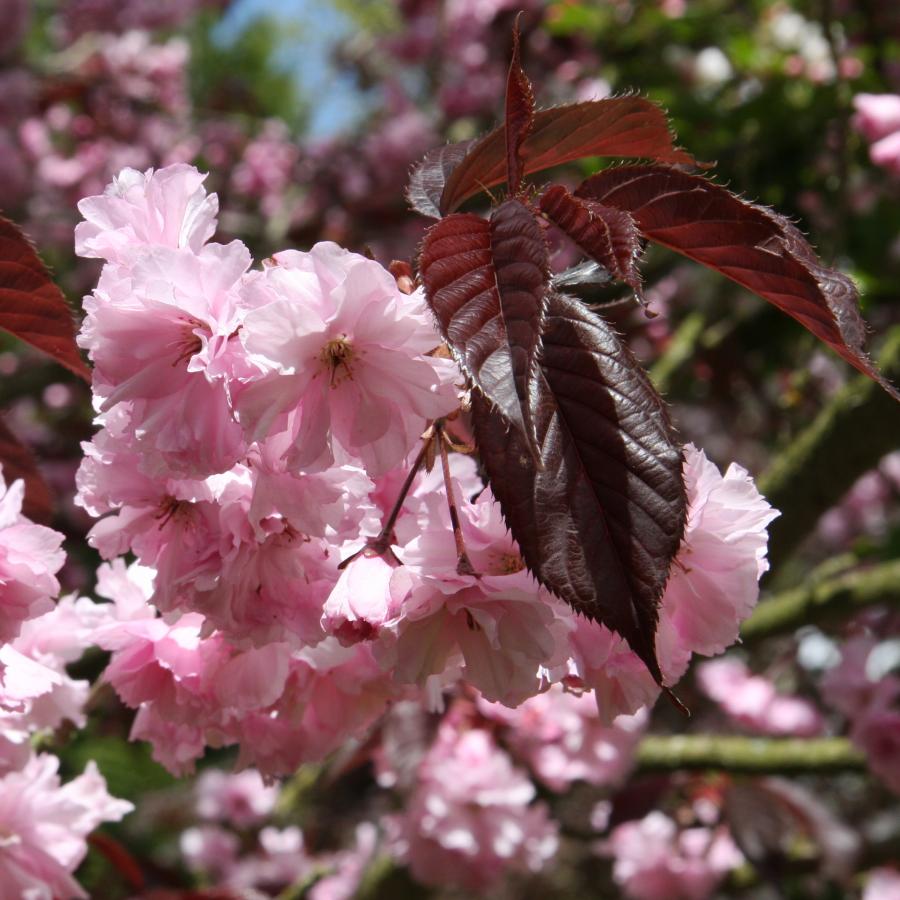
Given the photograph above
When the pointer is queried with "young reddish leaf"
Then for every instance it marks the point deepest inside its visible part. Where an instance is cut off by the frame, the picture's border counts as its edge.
(603, 233)
(753, 246)
(428, 177)
(17, 462)
(32, 307)
(614, 126)
(519, 117)
(486, 282)
(601, 524)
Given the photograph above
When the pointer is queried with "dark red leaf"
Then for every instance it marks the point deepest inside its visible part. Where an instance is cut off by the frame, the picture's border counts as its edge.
(486, 282)
(769, 817)
(428, 177)
(615, 126)
(32, 307)
(753, 246)
(519, 117)
(120, 858)
(17, 462)
(601, 524)
(607, 235)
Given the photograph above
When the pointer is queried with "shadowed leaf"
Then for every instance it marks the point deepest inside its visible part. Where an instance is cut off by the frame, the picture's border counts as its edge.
(755, 247)
(519, 115)
(485, 281)
(32, 307)
(17, 462)
(603, 233)
(600, 525)
(428, 177)
(615, 126)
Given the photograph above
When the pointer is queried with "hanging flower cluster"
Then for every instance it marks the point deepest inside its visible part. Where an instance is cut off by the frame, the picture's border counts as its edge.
(257, 427)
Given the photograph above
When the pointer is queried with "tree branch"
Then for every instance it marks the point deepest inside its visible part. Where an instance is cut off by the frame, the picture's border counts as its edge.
(848, 438)
(824, 601)
(749, 755)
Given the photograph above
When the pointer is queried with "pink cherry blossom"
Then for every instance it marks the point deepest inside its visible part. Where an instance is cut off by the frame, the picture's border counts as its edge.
(714, 582)
(345, 355)
(167, 208)
(603, 661)
(154, 335)
(45, 826)
(754, 701)
(368, 593)
(30, 557)
(653, 859)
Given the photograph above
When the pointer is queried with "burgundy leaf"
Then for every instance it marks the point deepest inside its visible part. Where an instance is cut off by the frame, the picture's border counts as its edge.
(600, 525)
(519, 117)
(17, 462)
(753, 246)
(614, 126)
(607, 235)
(486, 282)
(32, 307)
(428, 177)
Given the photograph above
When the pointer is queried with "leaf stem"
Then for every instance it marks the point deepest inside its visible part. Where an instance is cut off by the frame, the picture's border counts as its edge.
(381, 545)
(463, 564)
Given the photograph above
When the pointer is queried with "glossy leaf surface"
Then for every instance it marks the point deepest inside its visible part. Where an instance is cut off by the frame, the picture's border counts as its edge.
(753, 246)
(486, 281)
(601, 524)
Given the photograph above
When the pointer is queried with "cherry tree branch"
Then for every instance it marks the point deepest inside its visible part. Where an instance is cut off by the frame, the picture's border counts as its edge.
(819, 602)
(749, 755)
(821, 464)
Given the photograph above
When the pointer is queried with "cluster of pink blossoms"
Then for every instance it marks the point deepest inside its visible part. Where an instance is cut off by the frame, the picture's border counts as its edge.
(44, 824)
(256, 428)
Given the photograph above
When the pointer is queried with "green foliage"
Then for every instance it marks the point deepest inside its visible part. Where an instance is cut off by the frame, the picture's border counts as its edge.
(243, 77)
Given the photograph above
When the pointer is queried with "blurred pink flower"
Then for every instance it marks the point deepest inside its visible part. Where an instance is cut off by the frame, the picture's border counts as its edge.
(754, 701)
(882, 884)
(471, 817)
(239, 798)
(653, 858)
(560, 736)
(878, 120)
(877, 115)
(30, 557)
(876, 731)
